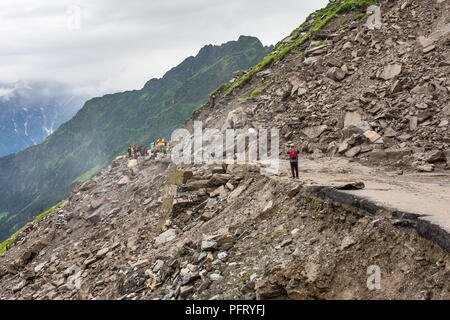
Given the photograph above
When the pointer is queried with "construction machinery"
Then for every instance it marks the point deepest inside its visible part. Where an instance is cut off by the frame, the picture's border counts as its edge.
(160, 146)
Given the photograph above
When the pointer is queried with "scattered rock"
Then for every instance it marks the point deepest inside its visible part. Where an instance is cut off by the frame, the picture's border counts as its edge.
(396, 87)
(429, 48)
(229, 186)
(166, 236)
(293, 192)
(19, 286)
(353, 152)
(426, 168)
(391, 71)
(336, 74)
(351, 186)
(132, 163)
(222, 255)
(435, 156)
(123, 181)
(373, 137)
(347, 242)
(315, 132)
(94, 218)
(158, 265)
(268, 206)
(390, 133)
(286, 243)
(208, 245)
(102, 252)
(206, 216)
(186, 290)
(215, 277)
(237, 192)
(97, 203)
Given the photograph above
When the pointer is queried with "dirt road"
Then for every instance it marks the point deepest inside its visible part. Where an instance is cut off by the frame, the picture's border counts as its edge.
(426, 194)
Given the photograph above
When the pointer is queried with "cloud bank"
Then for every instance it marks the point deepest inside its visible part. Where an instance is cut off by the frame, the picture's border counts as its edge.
(104, 46)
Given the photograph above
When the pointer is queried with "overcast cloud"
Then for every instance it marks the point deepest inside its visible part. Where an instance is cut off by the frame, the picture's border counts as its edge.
(100, 46)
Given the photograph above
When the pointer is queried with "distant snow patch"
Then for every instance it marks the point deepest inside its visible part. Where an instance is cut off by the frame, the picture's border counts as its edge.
(48, 131)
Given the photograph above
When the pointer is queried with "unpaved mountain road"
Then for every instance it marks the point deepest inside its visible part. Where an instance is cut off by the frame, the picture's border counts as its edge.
(425, 194)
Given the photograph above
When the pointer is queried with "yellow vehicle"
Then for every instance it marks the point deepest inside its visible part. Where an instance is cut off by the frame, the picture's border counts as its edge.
(160, 146)
(160, 143)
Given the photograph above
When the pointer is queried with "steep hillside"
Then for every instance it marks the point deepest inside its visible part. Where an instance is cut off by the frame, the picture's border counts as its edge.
(42, 175)
(337, 88)
(31, 111)
(148, 229)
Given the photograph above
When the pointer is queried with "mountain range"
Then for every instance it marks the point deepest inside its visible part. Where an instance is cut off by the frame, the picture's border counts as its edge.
(40, 176)
(31, 111)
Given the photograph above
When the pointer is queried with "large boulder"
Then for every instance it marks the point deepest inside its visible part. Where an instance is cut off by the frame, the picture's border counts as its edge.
(374, 17)
(180, 177)
(219, 180)
(352, 119)
(193, 185)
(166, 236)
(435, 156)
(353, 152)
(391, 71)
(335, 74)
(314, 132)
(294, 191)
(218, 170)
(132, 163)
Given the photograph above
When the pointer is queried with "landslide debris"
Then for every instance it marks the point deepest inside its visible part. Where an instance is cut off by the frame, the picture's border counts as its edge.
(151, 230)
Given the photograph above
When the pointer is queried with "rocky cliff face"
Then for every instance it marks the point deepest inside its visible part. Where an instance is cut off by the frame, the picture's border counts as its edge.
(147, 229)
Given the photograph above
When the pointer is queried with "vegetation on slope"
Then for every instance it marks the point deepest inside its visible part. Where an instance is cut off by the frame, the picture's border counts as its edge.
(4, 244)
(320, 19)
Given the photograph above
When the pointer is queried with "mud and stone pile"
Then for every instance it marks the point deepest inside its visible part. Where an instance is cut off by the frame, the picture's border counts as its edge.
(143, 230)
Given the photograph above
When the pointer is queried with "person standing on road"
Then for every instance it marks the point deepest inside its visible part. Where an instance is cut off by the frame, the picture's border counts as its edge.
(293, 155)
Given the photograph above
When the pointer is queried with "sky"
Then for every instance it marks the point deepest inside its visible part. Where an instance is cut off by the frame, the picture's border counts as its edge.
(104, 46)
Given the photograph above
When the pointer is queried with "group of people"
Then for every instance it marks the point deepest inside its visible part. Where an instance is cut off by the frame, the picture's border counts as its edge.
(135, 151)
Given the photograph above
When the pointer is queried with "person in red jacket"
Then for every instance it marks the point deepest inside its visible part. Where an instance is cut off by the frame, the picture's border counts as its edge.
(293, 156)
